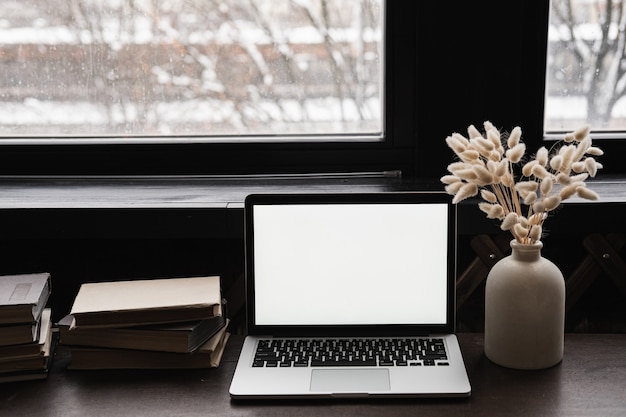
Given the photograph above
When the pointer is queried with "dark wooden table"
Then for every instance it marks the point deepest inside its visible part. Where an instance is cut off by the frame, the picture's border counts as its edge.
(591, 381)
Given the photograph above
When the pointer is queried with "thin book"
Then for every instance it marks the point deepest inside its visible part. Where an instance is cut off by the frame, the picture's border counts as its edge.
(172, 337)
(209, 355)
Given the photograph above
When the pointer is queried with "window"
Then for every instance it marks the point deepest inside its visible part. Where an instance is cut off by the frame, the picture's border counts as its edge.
(586, 67)
(373, 126)
(140, 69)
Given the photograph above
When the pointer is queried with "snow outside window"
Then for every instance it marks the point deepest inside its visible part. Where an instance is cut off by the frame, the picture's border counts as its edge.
(586, 66)
(234, 69)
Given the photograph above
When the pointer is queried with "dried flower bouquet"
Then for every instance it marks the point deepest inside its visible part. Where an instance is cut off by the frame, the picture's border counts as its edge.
(488, 163)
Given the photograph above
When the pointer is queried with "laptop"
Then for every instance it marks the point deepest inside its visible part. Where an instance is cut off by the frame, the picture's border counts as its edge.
(350, 295)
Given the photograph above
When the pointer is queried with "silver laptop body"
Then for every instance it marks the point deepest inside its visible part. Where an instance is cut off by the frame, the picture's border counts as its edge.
(346, 270)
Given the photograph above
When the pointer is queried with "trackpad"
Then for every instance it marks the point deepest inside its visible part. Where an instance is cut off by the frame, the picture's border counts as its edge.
(350, 380)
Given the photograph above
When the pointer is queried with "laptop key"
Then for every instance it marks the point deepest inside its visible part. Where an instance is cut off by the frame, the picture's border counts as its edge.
(369, 362)
(267, 356)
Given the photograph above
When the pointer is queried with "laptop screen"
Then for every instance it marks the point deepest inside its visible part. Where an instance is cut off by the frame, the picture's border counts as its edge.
(356, 261)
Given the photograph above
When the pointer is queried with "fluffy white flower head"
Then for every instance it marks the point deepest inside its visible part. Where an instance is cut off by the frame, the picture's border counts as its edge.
(516, 190)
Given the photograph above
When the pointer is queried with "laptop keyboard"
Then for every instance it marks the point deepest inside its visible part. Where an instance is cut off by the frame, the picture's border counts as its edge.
(351, 352)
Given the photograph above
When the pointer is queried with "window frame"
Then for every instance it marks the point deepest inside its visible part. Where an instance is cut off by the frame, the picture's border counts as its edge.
(462, 75)
(491, 65)
(613, 143)
(87, 157)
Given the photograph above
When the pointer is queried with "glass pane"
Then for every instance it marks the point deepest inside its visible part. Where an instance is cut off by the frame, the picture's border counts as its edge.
(149, 68)
(586, 76)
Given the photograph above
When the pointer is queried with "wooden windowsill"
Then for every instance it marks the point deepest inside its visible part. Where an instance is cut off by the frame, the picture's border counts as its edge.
(212, 192)
(211, 207)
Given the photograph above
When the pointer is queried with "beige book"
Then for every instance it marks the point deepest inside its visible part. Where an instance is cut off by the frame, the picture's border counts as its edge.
(151, 301)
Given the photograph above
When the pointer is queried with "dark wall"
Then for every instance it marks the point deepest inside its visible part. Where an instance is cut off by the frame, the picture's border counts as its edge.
(478, 61)
(574, 239)
(127, 253)
(75, 261)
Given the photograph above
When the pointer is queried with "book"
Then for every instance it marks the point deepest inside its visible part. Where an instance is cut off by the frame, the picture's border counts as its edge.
(23, 297)
(214, 347)
(26, 375)
(209, 355)
(151, 301)
(37, 348)
(17, 334)
(37, 373)
(32, 362)
(175, 337)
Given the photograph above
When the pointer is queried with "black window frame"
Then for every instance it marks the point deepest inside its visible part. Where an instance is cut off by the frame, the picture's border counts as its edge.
(394, 152)
(483, 61)
(448, 65)
(613, 143)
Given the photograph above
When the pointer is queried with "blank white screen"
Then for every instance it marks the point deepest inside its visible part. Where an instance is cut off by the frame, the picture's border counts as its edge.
(350, 264)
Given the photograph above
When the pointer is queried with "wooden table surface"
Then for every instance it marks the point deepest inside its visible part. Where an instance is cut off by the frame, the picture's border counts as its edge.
(591, 381)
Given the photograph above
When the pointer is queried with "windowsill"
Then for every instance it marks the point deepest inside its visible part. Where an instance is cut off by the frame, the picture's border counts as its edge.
(155, 208)
(213, 192)
(211, 207)
(181, 192)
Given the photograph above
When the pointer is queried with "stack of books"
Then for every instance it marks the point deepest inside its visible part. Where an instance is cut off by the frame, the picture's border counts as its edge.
(26, 338)
(171, 323)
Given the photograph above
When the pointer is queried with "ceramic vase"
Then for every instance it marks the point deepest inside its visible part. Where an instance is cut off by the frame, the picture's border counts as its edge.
(524, 310)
